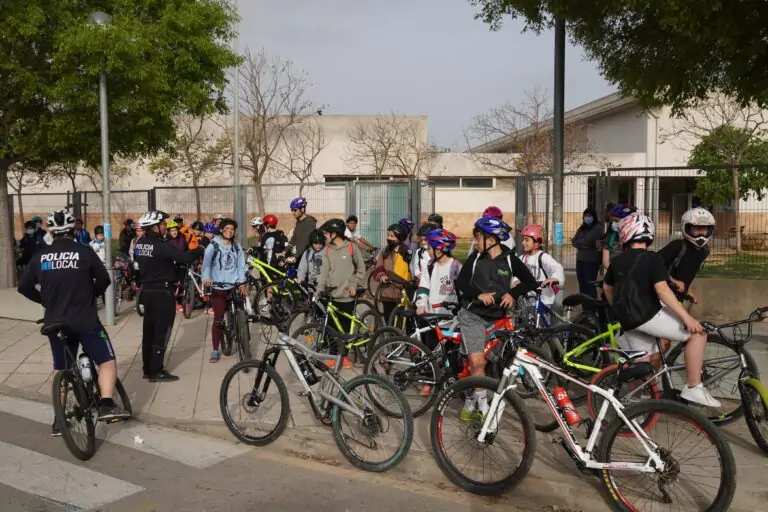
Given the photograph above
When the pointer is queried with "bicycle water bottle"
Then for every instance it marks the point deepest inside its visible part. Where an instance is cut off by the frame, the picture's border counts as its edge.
(85, 367)
(571, 415)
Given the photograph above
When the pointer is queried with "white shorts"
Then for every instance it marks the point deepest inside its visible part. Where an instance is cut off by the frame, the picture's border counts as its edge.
(665, 325)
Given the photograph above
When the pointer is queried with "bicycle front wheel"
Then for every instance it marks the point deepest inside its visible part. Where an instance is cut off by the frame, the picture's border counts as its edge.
(511, 443)
(71, 407)
(699, 472)
(754, 396)
(188, 301)
(373, 432)
(243, 335)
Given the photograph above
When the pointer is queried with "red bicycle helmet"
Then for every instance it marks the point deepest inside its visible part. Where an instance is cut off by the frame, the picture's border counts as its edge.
(493, 211)
(270, 220)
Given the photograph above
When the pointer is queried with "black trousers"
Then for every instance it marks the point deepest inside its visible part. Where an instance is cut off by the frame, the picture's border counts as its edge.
(159, 315)
(587, 271)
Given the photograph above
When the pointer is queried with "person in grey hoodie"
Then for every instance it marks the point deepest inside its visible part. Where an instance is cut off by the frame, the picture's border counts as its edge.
(304, 225)
(343, 270)
(586, 241)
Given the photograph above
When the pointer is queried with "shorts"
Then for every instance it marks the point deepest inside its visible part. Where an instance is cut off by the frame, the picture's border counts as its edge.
(473, 329)
(95, 342)
(665, 325)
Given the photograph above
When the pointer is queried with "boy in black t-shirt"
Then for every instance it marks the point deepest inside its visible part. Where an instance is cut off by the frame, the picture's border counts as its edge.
(636, 286)
(683, 258)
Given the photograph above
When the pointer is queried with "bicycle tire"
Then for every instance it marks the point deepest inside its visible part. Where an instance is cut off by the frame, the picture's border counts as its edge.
(407, 415)
(273, 377)
(513, 402)
(227, 341)
(188, 300)
(754, 396)
(361, 352)
(437, 372)
(65, 377)
(653, 407)
(243, 335)
(722, 419)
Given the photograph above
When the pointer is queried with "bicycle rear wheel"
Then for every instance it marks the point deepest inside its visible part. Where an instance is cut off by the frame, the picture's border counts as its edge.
(188, 300)
(371, 320)
(64, 382)
(394, 435)
(754, 396)
(648, 491)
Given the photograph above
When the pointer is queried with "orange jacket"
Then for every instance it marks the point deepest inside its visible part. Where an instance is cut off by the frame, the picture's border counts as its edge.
(185, 231)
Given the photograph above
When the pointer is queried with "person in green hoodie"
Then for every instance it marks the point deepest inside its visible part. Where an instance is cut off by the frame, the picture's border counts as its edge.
(343, 270)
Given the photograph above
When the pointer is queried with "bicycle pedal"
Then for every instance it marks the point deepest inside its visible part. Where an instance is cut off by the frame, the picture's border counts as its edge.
(302, 393)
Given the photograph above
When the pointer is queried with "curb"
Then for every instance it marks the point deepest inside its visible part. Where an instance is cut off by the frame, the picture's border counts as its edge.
(310, 444)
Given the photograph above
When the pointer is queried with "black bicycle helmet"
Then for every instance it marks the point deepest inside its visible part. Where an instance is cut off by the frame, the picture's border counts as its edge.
(436, 218)
(316, 237)
(424, 229)
(337, 226)
(400, 231)
(197, 225)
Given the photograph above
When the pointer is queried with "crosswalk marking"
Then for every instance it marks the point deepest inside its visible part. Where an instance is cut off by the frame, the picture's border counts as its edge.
(59, 481)
(186, 448)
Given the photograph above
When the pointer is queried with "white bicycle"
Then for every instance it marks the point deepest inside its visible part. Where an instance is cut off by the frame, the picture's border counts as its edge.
(650, 470)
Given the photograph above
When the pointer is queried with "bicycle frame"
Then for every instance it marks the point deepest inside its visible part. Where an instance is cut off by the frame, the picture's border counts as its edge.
(531, 364)
(608, 336)
(333, 313)
(265, 270)
(196, 280)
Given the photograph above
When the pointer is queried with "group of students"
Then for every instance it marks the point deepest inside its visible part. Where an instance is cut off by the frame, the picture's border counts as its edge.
(35, 238)
(644, 287)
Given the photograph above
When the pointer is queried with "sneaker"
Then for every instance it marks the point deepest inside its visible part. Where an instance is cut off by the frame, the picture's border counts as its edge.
(112, 412)
(178, 307)
(55, 432)
(164, 376)
(215, 356)
(467, 416)
(699, 395)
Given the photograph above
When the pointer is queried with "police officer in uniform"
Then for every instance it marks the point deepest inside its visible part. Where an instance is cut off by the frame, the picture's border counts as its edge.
(157, 266)
(71, 276)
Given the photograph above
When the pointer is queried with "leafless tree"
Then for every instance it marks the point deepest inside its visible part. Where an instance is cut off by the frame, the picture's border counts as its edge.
(519, 139)
(74, 173)
(390, 145)
(21, 177)
(197, 158)
(708, 115)
(302, 144)
(273, 99)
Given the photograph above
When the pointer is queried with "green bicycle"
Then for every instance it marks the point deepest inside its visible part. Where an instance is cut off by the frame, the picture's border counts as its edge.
(274, 293)
(357, 338)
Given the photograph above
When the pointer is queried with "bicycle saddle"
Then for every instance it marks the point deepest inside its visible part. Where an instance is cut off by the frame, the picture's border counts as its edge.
(47, 330)
(435, 317)
(580, 299)
(396, 279)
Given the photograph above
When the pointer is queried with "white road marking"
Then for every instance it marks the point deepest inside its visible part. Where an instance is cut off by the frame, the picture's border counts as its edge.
(186, 448)
(59, 481)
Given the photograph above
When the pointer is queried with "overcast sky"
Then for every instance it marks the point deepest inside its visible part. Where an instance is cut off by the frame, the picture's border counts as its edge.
(412, 56)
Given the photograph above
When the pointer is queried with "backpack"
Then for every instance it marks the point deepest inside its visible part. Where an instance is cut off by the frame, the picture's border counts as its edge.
(454, 272)
(630, 310)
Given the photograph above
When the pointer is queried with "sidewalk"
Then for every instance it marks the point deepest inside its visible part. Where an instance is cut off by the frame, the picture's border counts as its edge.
(192, 403)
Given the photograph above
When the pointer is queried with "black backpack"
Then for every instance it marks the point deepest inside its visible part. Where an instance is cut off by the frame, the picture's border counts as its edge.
(628, 306)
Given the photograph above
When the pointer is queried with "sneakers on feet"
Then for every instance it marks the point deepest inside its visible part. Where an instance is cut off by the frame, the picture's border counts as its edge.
(164, 376)
(699, 395)
(109, 412)
(55, 432)
(215, 356)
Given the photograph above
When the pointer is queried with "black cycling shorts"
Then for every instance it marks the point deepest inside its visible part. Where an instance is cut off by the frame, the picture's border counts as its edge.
(95, 342)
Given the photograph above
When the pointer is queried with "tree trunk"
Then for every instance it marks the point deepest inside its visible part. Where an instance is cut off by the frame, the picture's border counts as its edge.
(7, 242)
(301, 188)
(531, 219)
(259, 191)
(736, 208)
(21, 209)
(198, 207)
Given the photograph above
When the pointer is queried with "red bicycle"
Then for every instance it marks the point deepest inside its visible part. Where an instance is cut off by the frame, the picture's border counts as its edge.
(420, 372)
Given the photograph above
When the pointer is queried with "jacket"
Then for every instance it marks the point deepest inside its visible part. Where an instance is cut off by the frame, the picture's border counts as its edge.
(395, 261)
(70, 276)
(342, 269)
(224, 264)
(157, 261)
(585, 240)
(126, 237)
(481, 274)
(99, 248)
(300, 238)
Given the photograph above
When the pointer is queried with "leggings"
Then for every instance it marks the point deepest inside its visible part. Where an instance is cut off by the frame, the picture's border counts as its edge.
(219, 304)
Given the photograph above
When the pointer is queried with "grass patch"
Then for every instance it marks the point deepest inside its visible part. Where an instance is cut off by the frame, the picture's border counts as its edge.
(744, 265)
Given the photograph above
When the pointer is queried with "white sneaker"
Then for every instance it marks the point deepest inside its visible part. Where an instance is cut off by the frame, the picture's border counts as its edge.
(699, 395)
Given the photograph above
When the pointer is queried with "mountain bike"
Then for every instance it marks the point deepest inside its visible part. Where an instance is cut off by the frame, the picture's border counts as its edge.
(192, 290)
(633, 380)
(329, 396)
(235, 327)
(657, 455)
(82, 381)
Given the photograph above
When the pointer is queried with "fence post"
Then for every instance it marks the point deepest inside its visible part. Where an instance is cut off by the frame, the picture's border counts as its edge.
(241, 216)
(521, 207)
(77, 204)
(350, 199)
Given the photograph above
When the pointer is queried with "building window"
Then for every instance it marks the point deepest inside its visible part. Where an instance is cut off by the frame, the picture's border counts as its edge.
(338, 180)
(463, 182)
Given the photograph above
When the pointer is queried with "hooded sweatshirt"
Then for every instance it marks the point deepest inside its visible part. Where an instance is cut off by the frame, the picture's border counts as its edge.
(224, 264)
(300, 238)
(342, 268)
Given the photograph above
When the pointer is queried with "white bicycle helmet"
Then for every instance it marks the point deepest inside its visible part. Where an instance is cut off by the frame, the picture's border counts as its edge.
(636, 228)
(698, 217)
(61, 221)
(152, 218)
(256, 222)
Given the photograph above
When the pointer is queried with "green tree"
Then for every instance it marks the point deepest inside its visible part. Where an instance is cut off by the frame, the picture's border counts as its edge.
(161, 59)
(664, 52)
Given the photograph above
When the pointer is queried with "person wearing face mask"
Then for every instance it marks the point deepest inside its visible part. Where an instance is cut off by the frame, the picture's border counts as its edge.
(588, 254)
(393, 260)
(29, 244)
(612, 246)
(97, 244)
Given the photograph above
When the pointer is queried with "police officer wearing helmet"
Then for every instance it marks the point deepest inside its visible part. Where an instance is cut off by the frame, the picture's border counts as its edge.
(157, 265)
(71, 276)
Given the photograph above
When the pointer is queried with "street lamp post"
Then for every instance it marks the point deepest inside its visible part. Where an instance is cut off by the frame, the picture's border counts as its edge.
(239, 207)
(104, 19)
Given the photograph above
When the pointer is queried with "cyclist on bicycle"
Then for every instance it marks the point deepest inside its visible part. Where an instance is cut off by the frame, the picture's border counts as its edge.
(311, 261)
(223, 268)
(71, 276)
(304, 225)
(612, 245)
(343, 270)
(544, 268)
(354, 236)
(636, 286)
(485, 292)
(683, 257)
